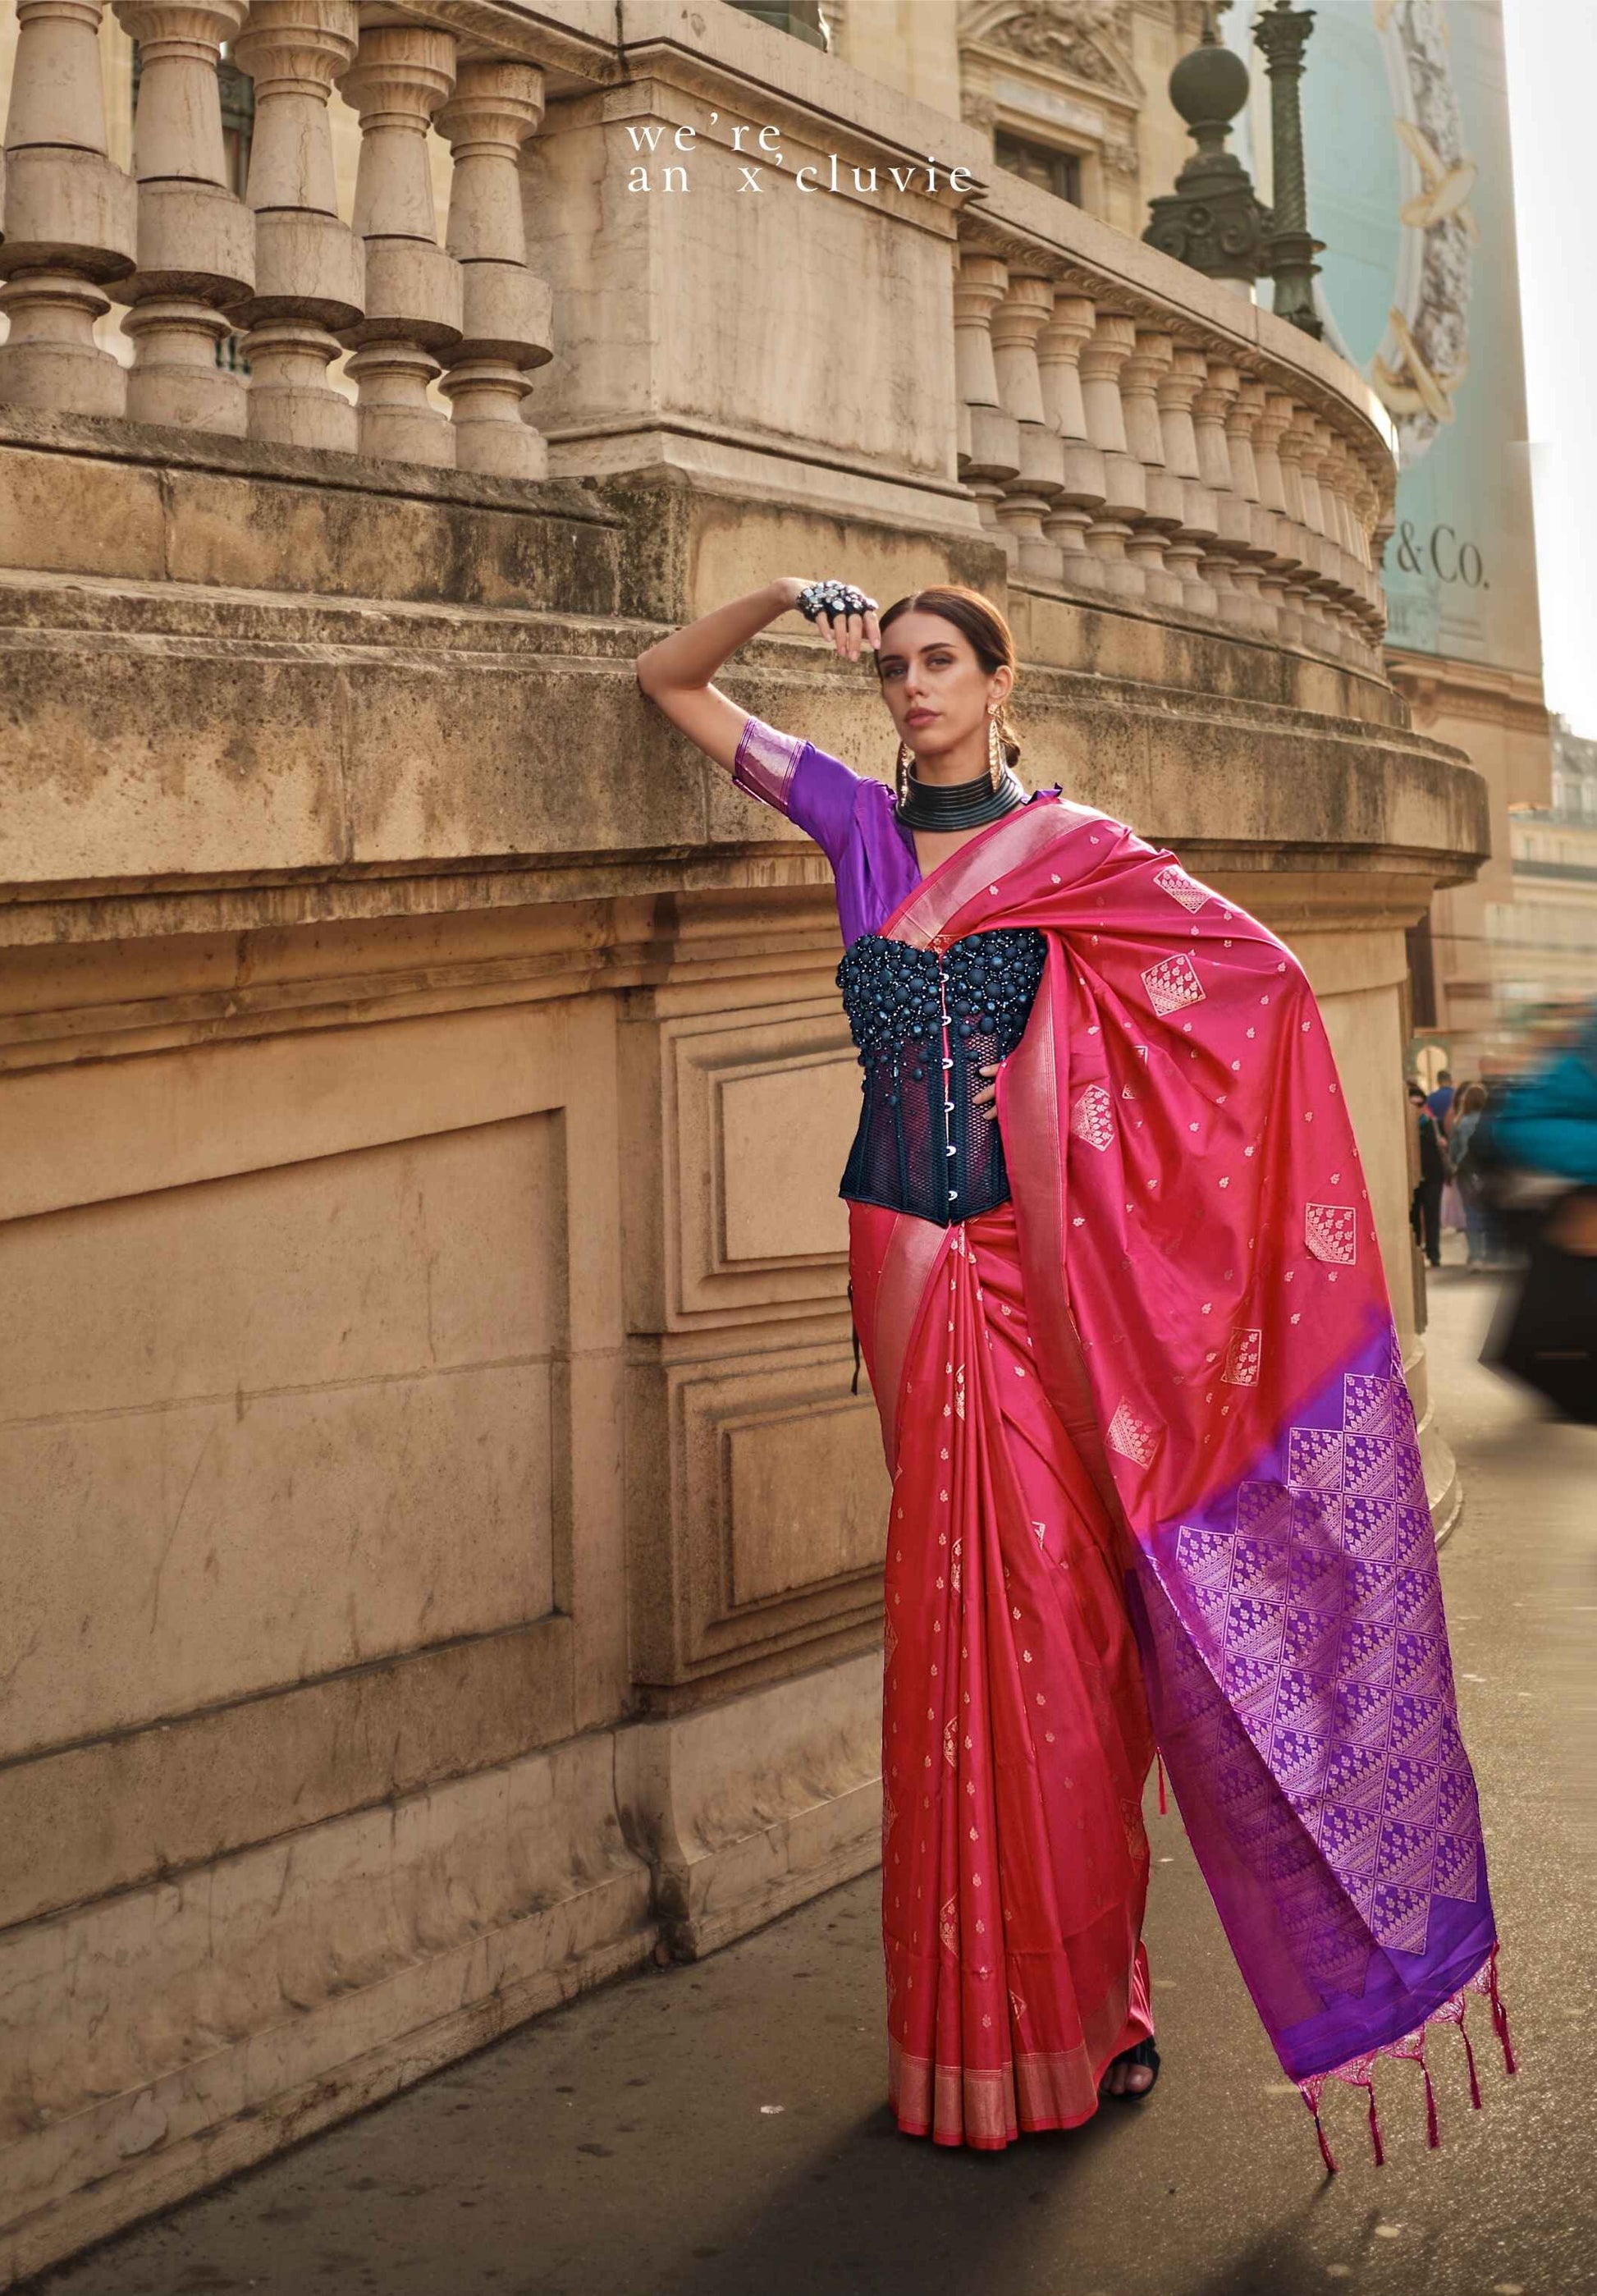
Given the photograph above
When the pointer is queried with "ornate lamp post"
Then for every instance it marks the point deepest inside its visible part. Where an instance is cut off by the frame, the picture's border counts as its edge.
(1213, 218)
(1282, 33)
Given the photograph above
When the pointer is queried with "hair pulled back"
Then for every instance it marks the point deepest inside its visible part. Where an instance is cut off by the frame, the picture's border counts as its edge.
(980, 622)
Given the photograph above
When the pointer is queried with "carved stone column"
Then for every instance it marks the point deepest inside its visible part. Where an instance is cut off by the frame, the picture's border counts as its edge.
(1162, 515)
(70, 216)
(310, 269)
(196, 253)
(1016, 323)
(1111, 344)
(494, 107)
(1082, 494)
(1282, 33)
(990, 437)
(401, 74)
(1178, 387)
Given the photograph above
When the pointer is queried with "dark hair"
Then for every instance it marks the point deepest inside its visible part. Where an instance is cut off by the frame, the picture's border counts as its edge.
(978, 620)
(1472, 1096)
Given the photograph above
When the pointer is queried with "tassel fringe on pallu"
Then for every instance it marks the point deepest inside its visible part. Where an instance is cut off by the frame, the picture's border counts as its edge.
(1359, 2072)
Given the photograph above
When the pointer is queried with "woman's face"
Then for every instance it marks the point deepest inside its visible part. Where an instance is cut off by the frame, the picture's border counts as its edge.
(934, 684)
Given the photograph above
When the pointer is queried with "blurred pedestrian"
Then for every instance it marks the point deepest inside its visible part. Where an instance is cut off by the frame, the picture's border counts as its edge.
(1425, 1207)
(1441, 1102)
(1483, 1247)
(1546, 1131)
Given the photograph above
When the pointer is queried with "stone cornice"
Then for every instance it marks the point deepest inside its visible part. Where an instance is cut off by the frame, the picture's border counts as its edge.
(1436, 684)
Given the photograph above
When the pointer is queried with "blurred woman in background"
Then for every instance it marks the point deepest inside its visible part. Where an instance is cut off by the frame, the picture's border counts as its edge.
(1483, 1248)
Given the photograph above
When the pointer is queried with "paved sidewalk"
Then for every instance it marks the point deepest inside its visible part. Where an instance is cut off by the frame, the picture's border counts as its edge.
(719, 2130)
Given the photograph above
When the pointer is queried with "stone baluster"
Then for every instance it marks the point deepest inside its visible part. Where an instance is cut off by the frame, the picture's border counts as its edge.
(497, 105)
(1366, 512)
(310, 269)
(1347, 480)
(1383, 525)
(401, 74)
(990, 440)
(70, 216)
(1251, 556)
(1276, 535)
(196, 250)
(1305, 601)
(1126, 497)
(1185, 550)
(1165, 493)
(1302, 449)
(1338, 571)
(1081, 496)
(1016, 323)
(1210, 407)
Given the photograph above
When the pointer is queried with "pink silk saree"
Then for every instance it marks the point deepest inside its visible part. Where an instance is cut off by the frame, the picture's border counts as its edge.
(1156, 1479)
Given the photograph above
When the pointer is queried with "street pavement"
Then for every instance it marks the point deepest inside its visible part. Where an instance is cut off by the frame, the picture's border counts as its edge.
(719, 2130)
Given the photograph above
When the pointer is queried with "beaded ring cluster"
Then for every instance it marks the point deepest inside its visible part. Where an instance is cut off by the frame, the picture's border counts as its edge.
(833, 598)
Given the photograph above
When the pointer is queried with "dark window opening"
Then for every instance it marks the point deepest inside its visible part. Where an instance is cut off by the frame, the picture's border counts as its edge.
(1421, 975)
(1043, 164)
(238, 122)
(803, 17)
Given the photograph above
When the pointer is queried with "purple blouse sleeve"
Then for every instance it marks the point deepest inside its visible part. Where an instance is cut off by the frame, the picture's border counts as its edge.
(815, 790)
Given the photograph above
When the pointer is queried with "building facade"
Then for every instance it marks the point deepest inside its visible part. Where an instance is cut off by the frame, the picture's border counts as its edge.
(1411, 188)
(1545, 939)
(441, 1541)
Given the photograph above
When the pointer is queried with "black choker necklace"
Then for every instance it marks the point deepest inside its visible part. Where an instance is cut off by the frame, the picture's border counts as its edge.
(959, 805)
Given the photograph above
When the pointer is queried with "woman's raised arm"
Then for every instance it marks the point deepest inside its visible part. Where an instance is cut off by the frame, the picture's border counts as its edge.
(675, 672)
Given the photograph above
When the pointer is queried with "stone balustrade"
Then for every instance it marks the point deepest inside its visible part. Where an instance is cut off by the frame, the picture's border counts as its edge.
(1223, 482)
(192, 264)
(1120, 430)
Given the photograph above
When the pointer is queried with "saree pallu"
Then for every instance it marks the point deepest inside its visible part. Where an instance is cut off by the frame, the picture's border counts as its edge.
(1015, 1732)
(1193, 1251)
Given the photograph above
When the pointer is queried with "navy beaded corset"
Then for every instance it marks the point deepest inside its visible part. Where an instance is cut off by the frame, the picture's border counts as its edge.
(925, 1023)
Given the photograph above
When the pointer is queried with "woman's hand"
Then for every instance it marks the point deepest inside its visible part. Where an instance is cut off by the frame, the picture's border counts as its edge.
(847, 632)
(988, 1091)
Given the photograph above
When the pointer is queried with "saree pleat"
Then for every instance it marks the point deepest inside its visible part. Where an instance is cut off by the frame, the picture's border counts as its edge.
(1016, 1736)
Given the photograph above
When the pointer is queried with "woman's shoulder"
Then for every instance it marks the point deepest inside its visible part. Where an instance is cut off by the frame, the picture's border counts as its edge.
(818, 792)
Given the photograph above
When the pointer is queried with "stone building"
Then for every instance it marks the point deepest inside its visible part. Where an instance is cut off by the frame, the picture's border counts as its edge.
(1411, 187)
(440, 1545)
(1545, 939)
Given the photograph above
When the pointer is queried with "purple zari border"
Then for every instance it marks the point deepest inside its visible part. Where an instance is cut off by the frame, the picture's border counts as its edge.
(1257, 1742)
(766, 761)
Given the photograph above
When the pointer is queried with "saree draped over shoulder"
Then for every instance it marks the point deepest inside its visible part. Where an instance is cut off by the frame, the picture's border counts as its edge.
(1155, 1480)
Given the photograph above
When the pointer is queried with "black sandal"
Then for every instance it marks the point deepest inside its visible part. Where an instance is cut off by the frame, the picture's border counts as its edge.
(1144, 2053)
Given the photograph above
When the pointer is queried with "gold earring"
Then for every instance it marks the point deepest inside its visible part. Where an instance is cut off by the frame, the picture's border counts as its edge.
(996, 757)
(906, 758)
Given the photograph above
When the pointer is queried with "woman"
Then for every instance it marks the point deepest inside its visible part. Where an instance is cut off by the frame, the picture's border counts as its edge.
(1482, 1248)
(1154, 1471)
